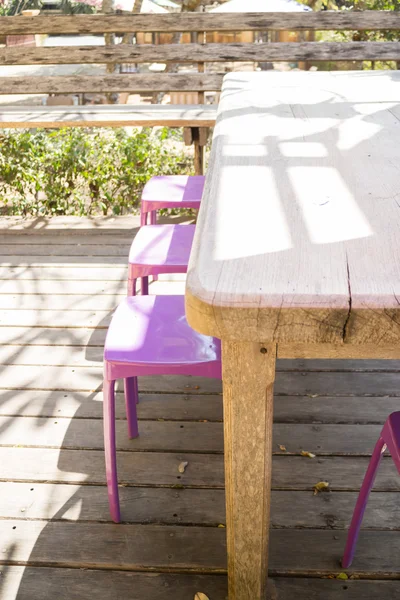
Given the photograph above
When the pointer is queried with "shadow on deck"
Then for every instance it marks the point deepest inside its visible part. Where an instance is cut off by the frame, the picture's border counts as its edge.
(59, 282)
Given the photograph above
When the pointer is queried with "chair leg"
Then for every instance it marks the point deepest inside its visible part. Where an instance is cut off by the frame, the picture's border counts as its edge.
(153, 217)
(143, 218)
(361, 503)
(132, 287)
(131, 400)
(110, 449)
(145, 286)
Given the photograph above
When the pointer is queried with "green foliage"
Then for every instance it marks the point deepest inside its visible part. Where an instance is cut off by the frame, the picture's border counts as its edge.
(82, 171)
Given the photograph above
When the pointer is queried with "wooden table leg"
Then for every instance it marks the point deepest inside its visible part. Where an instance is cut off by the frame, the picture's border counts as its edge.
(248, 377)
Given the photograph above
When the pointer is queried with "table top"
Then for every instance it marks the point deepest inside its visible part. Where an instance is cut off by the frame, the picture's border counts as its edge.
(298, 236)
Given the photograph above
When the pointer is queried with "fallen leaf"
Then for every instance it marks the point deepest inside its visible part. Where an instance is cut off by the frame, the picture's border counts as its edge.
(182, 466)
(221, 526)
(201, 596)
(321, 486)
(282, 448)
(308, 454)
(160, 419)
(313, 395)
(342, 576)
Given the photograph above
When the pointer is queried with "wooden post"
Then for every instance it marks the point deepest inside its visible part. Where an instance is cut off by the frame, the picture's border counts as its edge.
(248, 376)
(198, 137)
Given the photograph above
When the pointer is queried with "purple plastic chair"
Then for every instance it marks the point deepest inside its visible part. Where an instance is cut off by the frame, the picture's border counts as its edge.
(148, 335)
(158, 249)
(389, 439)
(170, 191)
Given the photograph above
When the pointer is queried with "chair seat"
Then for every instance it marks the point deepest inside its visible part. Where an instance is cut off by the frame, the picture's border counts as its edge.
(173, 191)
(153, 330)
(162, 245)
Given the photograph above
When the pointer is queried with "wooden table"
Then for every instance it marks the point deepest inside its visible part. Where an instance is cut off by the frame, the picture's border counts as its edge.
(296, 254)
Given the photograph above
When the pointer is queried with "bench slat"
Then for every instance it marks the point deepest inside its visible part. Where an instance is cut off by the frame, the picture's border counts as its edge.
(325, 20)
(108, 116)
(159, 82)
(191, 53)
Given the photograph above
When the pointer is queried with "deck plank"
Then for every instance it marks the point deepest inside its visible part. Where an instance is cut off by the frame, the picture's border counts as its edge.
(187, 506)
(190, 549)
(179, 436)
(43, 584)
(192, 407)
(206, 470)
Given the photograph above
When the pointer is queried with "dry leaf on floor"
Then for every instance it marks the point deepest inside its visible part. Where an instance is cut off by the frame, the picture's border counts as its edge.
(182, 466)
(201, 596)
(343, 576)
(313, 395)
(282, 448)
(308, 454)
(321, 486)
(221, 526)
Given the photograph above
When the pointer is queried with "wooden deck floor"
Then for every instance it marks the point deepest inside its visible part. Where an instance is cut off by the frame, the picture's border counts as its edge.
(59, 282)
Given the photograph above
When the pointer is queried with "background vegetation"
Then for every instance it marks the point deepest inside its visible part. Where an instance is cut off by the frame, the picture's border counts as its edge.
(81, 171)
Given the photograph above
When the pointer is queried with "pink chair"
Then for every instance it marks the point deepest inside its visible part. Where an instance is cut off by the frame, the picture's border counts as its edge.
(148, 335)
(158, 249)
(389, 439)
(170, 191)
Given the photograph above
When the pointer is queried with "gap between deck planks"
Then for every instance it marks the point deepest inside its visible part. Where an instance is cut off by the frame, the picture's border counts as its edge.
(51, 396)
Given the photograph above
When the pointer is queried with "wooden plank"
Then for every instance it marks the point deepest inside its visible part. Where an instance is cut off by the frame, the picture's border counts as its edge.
(169, 436)
(171, 407)
(60, 319)
(137, 468)
(193, 407)
(298, 409)
(67, 224)
(160, 469)
(78, 378)
(44, 249)
(63, 272)
(138, 505)
(111, 83)
(326, 20)
(62, 261)
(41, 336)
(337, 352)
(190, 507)
(338, 365)
(187, 436)
(65, 302)
(107, 116)
(268, 282)
(185, 548)
(25, 289)
(287, 384)
(51, 238)
(87, 545)
(190, 53)
(27, 583)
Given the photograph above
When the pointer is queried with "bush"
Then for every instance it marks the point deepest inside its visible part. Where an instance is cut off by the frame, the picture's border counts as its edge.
(83, 171)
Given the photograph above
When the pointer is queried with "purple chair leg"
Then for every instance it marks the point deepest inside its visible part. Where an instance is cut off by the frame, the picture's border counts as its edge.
(143, 218)
(361, 504)
(153, 221)
(132, 287)
(110, 449)
(131, 400)
(145, 286)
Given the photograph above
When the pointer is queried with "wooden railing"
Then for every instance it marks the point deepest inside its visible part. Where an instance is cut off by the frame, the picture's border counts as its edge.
(183, 53)
(194, 118)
